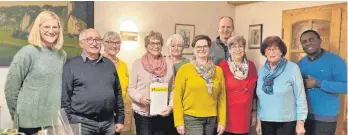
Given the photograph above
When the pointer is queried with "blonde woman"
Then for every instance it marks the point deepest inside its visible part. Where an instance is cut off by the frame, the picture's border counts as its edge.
(152, 68)
(199, 93)
(34, 80)
(112, 45)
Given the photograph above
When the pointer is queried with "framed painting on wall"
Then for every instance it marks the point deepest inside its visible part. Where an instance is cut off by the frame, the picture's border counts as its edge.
(187, 31)
(255, 36)
(17, 18)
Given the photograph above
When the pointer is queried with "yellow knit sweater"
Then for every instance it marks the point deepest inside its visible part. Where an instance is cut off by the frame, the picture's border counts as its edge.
(191, 95)
(122, 72)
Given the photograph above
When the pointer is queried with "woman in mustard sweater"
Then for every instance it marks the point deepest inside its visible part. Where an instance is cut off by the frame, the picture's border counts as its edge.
(112, 44)
(199, 93)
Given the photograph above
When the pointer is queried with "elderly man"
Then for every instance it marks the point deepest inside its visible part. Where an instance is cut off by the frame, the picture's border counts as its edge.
(219, 50)
(325, 77)
(91, 89)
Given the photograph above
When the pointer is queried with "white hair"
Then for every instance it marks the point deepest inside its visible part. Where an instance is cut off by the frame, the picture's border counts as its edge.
(175, 37)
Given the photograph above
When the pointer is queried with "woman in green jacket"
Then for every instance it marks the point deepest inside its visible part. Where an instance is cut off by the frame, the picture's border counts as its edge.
(34, 80)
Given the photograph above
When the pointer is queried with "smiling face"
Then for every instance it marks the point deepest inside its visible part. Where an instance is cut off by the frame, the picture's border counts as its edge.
(310, 43)
(176, 48)
(91, 43)
(112, 46)
(225, 28)
(49, 32)
(201, 49)
(237, 51)
(154, 47)
(273, 54)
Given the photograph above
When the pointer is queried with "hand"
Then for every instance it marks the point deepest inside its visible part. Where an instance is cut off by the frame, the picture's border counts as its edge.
(221, 129)
(311, 82)
(181, 130)
(166, 111)
(253, 118)
(300, 128)
(258, 127)
(145, 101)
(119, 127)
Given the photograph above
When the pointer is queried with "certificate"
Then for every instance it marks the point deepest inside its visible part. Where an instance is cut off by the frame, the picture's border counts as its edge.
(159, 97)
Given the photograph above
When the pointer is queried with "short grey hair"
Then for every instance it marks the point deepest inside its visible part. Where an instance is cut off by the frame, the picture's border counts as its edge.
(236, 40)
(111, 35)
(175, 37)
(83, 33)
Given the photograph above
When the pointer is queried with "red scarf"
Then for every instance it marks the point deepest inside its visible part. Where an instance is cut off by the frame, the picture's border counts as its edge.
(154, 65)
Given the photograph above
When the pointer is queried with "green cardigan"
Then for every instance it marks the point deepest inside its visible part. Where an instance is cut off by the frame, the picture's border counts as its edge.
(33, 86)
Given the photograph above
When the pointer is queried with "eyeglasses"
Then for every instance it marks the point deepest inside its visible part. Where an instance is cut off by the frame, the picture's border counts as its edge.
(111, 43)
(48, 28)
(153, 44)
(204, 47)
(237, 46)
(309, 40)
(91, 40)
(275, 49)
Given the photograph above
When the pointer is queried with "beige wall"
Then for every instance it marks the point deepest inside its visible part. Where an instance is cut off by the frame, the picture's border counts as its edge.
(159, 16)
(270, 15)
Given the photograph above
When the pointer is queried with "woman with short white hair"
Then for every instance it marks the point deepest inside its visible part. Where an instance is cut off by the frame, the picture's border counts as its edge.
(175, 45)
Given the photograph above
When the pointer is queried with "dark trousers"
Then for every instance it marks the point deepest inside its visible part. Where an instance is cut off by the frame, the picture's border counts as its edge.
(95, 127)
(278, 128)
(314, 127)
(150, 125)
(228, 133)
(170, 128)
(29, 131)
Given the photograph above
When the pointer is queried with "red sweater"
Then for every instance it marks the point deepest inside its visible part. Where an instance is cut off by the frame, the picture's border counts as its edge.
(239, 96)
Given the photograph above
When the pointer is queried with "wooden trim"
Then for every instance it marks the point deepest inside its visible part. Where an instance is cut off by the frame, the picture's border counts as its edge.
(335, 30)
(239, 3)
(316, 8)
(297, 51)
(287, 39)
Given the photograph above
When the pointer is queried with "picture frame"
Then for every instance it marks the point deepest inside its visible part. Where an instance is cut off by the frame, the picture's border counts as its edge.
(255, 36)
(74, 16)
(187, 31)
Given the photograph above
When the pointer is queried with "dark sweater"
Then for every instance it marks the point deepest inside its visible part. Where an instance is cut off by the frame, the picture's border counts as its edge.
(91, 89)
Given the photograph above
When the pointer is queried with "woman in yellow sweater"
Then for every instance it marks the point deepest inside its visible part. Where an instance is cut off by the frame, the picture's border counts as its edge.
(199, 93)
(112, 44)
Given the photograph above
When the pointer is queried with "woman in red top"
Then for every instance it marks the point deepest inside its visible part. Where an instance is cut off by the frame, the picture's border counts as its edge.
(240, 78)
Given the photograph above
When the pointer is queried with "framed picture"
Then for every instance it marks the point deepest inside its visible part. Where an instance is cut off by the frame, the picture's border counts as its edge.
(255, 36)
(187, 31)
(17, 18)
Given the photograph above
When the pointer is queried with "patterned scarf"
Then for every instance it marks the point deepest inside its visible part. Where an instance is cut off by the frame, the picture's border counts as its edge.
(156, 66)
(270, 75)
(206, 71)
(240, 72)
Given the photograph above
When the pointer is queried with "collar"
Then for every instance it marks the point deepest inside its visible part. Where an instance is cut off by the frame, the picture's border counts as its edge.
(84, 57)
(316, 56)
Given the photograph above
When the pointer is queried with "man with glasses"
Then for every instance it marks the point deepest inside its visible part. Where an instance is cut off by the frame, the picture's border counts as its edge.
(91, 89)
(325, 77)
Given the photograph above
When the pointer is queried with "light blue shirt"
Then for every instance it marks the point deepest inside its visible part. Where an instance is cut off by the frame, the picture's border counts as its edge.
(288, 102)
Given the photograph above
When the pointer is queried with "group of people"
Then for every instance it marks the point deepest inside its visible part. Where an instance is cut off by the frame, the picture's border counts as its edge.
(219, 91)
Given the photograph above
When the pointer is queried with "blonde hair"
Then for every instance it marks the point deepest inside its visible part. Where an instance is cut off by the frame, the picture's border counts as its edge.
(175, 37)
(153, 35)
(34, 37)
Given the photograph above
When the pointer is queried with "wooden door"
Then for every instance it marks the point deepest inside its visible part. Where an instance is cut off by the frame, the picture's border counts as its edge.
(330, 21)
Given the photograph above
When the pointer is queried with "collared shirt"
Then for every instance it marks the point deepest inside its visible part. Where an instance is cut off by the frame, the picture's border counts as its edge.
(91, 89)
(85, 57)
(317, 56)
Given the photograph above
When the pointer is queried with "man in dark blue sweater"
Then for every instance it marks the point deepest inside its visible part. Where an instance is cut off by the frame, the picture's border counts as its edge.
(91, 92)
(325, 77)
